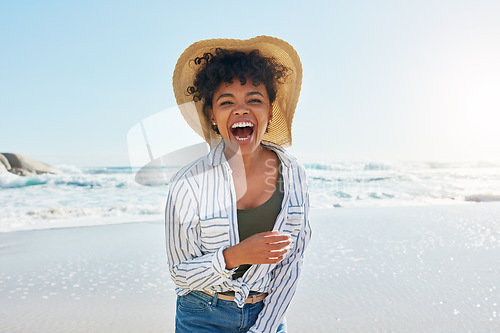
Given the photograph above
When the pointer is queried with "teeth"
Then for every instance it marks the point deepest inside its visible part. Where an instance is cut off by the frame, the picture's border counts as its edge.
(241, 139)
(242, 124)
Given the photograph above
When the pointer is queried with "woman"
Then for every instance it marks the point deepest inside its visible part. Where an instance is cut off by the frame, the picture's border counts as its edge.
(237, 219)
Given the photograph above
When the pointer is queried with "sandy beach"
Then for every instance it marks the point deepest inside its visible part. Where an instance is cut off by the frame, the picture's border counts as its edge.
(391, 269)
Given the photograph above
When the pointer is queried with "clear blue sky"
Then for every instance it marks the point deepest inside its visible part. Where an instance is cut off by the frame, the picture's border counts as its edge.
(383, 80)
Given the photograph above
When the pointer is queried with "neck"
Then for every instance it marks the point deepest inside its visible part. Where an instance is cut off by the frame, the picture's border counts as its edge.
(245, 163)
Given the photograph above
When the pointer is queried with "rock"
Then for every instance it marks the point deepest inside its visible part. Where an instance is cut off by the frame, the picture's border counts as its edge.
(22, 172)
(5, 162)
(26, 166)
(482, 197)
(3, 169)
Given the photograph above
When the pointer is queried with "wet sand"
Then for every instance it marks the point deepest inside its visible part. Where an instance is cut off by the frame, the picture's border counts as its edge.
(401, 269)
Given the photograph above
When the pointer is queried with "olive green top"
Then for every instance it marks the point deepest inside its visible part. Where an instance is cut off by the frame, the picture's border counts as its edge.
(261, 218)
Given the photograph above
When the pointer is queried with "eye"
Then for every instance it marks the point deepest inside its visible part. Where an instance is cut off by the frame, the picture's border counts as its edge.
(226, 103)
(255, 100)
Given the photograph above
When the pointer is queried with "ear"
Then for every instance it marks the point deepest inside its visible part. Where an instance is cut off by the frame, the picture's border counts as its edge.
(212, 118)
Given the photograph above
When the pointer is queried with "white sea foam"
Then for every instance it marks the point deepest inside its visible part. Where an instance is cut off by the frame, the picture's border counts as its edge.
(112, 193)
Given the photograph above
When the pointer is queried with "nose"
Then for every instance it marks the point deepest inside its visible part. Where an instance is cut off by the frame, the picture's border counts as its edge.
(240, 109)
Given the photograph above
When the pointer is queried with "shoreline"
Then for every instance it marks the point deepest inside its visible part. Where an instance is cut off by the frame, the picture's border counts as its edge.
(83, 221)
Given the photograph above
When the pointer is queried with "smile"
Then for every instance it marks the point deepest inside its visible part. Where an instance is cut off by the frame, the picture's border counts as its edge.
(242, 130)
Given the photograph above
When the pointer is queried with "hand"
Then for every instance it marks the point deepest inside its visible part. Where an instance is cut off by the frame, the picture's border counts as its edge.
(262, 248)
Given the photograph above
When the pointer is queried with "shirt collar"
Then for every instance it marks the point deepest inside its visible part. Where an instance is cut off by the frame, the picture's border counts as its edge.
(216, 155)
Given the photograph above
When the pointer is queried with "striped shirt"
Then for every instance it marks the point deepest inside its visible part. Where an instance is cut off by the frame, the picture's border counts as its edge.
(201, 222)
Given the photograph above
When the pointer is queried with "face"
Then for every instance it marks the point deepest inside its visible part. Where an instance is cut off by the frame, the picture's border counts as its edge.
(241, 113)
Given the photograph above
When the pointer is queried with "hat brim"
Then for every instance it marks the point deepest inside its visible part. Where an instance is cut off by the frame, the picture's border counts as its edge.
(287, 94)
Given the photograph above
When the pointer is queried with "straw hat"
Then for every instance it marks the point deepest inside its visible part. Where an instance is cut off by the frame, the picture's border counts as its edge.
(287, 94)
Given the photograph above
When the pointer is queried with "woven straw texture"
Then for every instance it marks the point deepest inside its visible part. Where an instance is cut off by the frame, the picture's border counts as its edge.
(287, 95)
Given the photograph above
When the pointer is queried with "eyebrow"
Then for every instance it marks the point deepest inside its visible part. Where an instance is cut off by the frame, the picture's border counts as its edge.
(231, 95)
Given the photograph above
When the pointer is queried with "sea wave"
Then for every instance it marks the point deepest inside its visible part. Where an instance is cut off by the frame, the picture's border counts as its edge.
(88, 194)
(9, 180)
(79, 179)
(60, 212)
(390, 165)
(42, 218)
(349, 166)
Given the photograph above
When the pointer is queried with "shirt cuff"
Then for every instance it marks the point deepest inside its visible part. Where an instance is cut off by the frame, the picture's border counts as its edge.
(220, 264)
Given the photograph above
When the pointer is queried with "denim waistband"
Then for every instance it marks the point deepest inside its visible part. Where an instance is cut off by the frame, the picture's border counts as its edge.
(232, 293)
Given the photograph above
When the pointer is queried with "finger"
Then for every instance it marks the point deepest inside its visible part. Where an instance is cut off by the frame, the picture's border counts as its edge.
(274, 260)
(278, 238)
(279, 252)
(277, 246)
(268, 233)
(280, 243)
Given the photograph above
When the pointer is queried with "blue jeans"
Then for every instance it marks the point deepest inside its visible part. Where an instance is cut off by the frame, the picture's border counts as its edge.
(201, 313)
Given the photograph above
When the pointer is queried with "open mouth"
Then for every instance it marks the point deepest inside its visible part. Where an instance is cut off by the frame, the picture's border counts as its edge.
(242, 130)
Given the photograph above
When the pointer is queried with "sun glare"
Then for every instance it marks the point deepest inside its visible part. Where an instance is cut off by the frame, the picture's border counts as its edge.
(483, 116)
(467, 96)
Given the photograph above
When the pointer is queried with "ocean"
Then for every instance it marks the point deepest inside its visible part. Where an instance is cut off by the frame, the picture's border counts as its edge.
(84, 196)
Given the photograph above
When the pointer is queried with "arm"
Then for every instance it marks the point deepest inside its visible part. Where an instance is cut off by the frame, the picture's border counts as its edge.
(285, 280)
(189, 267)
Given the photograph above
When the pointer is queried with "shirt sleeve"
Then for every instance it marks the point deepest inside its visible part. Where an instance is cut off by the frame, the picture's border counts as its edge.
(285, 280)
(189, 267)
